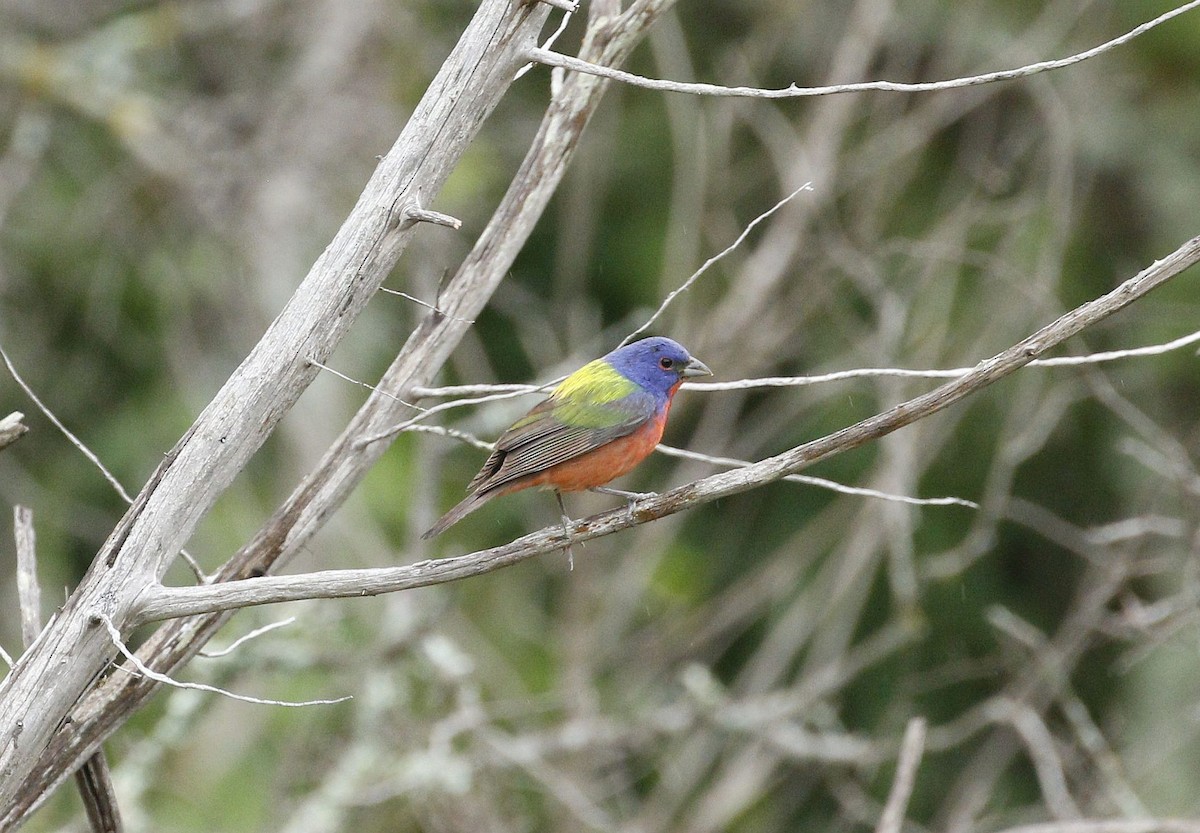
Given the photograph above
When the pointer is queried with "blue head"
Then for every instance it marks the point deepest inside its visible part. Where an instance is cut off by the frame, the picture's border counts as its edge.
(656, 364)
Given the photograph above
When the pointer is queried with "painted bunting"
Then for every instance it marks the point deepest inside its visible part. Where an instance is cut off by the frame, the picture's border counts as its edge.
(598, 424)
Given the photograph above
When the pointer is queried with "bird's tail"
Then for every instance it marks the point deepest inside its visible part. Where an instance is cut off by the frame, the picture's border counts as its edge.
(464, 508)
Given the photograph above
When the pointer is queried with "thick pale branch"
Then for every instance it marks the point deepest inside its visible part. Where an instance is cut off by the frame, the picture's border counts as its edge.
(556, 59)
(157, 602)
(345, 464)
(49, 679)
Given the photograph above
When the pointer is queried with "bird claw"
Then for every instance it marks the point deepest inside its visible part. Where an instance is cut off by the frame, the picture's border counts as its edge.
(630, 497)
(570, 548)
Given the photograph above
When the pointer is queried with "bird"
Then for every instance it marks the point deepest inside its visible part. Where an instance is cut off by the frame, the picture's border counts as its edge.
(596, 425)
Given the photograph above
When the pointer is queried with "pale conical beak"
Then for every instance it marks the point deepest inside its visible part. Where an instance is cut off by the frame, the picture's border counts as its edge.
(695, 367)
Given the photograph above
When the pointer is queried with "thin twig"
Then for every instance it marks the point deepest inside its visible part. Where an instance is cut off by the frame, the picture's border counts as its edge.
(201, 576)
(704, 267)
(241, 640)
(549, 42)
(115, 635)
(730, 462)
(839, 375)
(366, 385)
(911, 750)
(950, 373)
(819, 482)
(428, 412)
(454, 433)
(425, 304)
(75, 441)
(555, 59)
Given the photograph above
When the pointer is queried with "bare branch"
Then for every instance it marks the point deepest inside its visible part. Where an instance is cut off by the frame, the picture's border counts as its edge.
(473, 390)
(731, 462)
(454, 433)
(911, 750)
(50, 678)
(902, 373)
(158, 602)
(555, 59)
(324, 490)
(484, 390)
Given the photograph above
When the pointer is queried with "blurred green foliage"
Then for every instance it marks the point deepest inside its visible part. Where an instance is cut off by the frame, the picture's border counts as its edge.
(141, 257)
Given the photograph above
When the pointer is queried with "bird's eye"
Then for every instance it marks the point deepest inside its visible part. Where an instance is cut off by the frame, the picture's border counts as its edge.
(666, 363)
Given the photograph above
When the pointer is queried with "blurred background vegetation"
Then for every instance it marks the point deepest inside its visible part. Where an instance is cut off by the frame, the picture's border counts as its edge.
(168, 173)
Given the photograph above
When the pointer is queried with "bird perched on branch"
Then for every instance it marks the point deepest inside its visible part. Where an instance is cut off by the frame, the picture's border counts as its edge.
(598, 424)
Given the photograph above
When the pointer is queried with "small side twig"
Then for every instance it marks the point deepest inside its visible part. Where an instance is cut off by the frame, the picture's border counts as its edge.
(428, 412)
(66, 432)
(414, 213)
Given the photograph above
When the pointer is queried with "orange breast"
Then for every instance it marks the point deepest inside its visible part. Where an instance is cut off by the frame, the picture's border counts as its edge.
(605, 463)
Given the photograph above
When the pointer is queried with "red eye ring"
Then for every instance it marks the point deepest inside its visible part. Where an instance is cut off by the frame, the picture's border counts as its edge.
(666, 363)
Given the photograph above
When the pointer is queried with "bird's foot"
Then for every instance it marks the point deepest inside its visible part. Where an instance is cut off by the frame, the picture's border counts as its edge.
(630, 497)
(566, 519)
